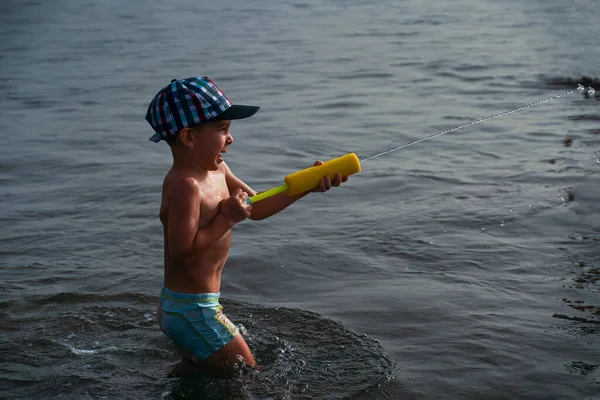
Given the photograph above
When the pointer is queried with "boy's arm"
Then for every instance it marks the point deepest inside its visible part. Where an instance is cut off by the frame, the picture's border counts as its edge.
(272, 205)
(183, 235)
(266, 207)
(233, 182)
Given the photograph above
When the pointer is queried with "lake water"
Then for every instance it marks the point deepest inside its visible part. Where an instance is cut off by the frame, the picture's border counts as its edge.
(464, 266)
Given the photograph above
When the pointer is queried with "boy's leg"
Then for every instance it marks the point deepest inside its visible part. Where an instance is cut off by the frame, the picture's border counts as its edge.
(228, 355)
(231, 351)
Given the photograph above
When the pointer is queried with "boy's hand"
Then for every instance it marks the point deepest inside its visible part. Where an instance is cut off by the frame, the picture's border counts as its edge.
(234, 207)
(325, 184)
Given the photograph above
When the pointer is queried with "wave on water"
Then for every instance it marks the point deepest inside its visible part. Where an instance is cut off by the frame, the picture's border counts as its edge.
(81, 345)
(584, 279)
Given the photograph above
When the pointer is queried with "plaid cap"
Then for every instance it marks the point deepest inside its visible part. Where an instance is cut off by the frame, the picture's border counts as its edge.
(187, 102)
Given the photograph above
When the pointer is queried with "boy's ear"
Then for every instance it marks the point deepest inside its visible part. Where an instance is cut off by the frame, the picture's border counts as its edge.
(187, 137)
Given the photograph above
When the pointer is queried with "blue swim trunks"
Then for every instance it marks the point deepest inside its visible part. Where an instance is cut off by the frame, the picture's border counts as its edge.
(195, 322)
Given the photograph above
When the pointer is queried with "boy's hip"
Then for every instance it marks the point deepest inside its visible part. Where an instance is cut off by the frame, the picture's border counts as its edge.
(195, 322)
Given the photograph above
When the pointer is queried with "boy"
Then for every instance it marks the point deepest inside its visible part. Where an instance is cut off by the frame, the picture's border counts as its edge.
(201, 202)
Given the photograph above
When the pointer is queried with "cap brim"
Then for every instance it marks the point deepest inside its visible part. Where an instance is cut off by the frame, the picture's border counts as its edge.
(236, 111)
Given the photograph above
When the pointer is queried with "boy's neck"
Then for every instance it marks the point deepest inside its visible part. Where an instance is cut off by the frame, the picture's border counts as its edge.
(183, 163)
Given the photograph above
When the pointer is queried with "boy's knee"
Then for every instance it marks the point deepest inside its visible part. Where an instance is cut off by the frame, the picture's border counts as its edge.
(234, 352)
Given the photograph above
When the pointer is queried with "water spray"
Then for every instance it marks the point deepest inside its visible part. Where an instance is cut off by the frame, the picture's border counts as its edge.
(349, 164)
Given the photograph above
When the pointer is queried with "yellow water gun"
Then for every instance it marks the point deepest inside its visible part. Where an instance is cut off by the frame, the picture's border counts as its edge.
(309, 178)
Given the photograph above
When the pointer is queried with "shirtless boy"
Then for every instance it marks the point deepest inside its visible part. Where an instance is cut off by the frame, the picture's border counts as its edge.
(201, 202)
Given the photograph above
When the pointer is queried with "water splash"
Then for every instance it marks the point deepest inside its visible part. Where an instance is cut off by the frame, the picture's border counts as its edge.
(86, 352)
(589, 92)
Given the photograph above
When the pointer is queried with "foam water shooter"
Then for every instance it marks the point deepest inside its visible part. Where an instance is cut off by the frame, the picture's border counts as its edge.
(309, 178)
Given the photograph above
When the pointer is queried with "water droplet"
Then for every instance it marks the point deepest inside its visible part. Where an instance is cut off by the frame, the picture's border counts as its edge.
(591, 91)
(482, 228)
(530, 205)
(501, 223)
(580, 88)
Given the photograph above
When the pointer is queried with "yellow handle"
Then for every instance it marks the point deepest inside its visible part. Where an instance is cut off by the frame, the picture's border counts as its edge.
(309, 178)
(267, 194)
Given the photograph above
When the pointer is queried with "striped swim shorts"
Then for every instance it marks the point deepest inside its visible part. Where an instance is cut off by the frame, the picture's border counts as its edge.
(195, 322)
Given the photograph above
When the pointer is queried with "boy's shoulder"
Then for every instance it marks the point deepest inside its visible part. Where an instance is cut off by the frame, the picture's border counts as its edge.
(180, 181)
(224, 168)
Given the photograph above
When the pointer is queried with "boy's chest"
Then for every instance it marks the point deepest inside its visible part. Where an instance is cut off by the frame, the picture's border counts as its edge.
(212, 191)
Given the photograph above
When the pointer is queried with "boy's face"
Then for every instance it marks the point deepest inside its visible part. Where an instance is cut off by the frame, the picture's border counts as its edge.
(210, 140)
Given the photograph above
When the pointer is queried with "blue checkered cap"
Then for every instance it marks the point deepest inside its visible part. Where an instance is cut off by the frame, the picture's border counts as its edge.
(187, 102)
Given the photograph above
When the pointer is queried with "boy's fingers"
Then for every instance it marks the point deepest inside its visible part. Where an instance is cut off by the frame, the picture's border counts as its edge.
(337, 180)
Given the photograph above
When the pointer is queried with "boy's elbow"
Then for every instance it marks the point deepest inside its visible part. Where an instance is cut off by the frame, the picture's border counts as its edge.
(257, 216)
(201, 244)
(182, 252)
(179, 255)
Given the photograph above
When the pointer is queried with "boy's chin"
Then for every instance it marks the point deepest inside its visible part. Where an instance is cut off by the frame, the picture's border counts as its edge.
(215, 164)
(212, 165)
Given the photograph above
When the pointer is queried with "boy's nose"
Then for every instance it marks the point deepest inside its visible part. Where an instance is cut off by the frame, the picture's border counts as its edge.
(229, 140)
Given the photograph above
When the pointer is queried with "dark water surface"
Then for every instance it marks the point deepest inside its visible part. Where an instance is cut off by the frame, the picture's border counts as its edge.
(466, 266)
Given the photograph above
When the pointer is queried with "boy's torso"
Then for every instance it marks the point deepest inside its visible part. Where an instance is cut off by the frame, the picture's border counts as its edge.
(200, 272)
